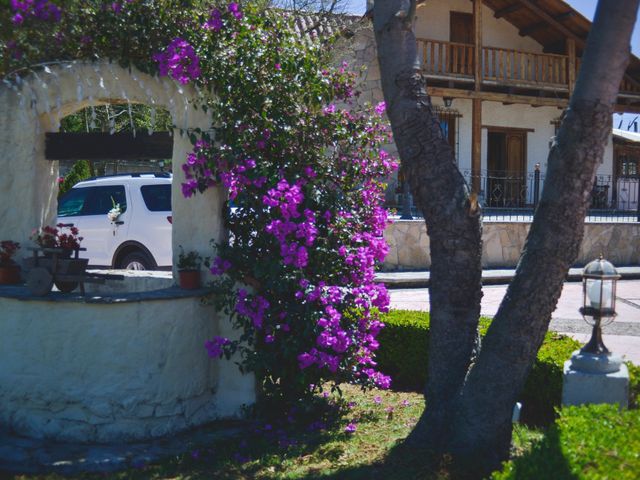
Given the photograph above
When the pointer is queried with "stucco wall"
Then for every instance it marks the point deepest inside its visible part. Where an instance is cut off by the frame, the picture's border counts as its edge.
(113, 372)
(35, 105)
(503, 243)
(433, 22)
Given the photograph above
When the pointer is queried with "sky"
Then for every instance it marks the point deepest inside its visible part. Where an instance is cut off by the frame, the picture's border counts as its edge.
(587, 8)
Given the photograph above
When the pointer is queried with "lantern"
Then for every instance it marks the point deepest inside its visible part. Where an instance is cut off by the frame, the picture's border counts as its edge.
(599, 280)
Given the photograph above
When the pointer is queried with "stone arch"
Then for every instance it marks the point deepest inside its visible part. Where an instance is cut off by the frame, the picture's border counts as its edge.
(35, 104)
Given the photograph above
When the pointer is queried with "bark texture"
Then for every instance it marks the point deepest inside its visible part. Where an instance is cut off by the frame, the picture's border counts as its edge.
(470, 400)
(452, 218)
(482, 429)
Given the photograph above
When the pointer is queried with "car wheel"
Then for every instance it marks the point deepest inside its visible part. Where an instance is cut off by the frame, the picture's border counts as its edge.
(136, 261)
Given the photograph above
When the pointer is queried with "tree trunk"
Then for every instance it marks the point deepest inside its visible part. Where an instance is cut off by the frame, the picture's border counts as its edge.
(483, 424)
(452, 218)
(469, 409)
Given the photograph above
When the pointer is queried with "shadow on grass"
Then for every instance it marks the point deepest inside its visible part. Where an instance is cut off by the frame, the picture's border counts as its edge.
(402, 462)
(545, 460)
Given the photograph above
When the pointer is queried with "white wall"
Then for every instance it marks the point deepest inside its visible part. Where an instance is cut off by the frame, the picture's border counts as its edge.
(433, 22)
(114, 372)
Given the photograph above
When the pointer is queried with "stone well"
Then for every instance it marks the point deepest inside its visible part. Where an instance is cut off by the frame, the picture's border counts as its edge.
(113, 367)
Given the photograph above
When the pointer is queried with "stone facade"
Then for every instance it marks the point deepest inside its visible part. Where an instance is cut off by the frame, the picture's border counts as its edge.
(503, 242)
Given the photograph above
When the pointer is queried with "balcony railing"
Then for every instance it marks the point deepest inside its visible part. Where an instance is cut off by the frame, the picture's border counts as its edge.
(514, 195)
(501, 66)
(514, 67)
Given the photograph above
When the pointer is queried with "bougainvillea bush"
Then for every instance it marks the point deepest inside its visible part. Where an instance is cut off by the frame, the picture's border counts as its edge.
(302, 164)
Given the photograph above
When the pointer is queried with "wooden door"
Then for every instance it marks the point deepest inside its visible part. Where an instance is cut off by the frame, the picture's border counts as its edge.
(506, 160)
(516, 187)
(460, 31)
(461, 27)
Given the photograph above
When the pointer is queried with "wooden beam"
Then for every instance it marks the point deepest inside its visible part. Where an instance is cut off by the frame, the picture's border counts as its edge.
(580, 42)
(497, 128)
(571, 64)
(552, 21)
(528, 30)
(497, 97)
(476, 144)
(103, 146)
(477, 27)
(507, 10)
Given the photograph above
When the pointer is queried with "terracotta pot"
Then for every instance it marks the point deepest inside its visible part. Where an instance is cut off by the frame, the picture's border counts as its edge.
(189, 279)
(10, 274)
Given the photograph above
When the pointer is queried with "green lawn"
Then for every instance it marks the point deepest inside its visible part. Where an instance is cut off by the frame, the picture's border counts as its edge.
(281, 450)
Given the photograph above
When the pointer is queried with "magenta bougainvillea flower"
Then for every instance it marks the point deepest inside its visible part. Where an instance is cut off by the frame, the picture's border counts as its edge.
(179, 61)
(40, 9)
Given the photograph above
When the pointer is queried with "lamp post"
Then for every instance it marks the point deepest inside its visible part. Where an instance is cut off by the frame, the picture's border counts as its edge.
(599, 281)
(594, 374)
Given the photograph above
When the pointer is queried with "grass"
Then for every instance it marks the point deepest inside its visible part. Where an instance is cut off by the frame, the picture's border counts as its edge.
(323, 449)
(281, 450)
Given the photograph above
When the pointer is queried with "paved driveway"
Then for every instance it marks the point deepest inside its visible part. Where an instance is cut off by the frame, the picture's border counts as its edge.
(621, 337)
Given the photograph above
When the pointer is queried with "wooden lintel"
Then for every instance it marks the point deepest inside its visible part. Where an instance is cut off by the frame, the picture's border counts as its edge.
(497, 128)
(103, 146)
(497, 97)
(507, 10)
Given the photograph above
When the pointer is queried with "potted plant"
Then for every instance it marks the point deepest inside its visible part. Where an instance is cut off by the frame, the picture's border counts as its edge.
(9, 269)
(189, 269)
(61, 237)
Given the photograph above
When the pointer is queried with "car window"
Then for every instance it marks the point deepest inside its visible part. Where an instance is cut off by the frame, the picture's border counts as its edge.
(157, 198)
(102, 199)
(72, 202)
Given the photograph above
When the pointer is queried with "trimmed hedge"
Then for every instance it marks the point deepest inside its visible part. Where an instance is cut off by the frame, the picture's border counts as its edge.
(403, 355)
(634, 385)
(590, 442)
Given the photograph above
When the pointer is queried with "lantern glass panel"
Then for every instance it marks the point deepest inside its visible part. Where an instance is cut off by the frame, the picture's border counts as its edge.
(600, 293)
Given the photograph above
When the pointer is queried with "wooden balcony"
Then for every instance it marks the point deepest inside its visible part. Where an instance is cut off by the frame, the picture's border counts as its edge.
(501, 67)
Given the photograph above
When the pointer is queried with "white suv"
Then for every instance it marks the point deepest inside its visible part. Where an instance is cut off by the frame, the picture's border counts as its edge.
(140, 238)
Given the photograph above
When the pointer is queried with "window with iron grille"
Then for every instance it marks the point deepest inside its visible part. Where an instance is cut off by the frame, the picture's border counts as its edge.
(449, 124)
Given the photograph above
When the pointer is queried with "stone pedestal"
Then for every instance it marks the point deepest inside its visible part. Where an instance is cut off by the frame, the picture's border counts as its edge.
(595, 379)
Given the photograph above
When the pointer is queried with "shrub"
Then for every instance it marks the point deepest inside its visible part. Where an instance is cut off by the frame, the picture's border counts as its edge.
(542, 392)
(403, 356)
(302, 162)
(591, 442)
(634, 385)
